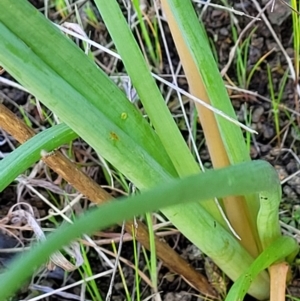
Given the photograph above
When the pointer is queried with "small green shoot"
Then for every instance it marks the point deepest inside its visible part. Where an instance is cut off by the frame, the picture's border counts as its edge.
(61, 7)
(140, 16)
(136, 266)
(128, 298)
(275, 100)
(25, 117)
(242, 52)
(248, 120)
(91, 16)
(153, 260)
(86, 271)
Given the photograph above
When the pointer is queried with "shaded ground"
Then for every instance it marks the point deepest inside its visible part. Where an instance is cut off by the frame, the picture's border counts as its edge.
(253, 98)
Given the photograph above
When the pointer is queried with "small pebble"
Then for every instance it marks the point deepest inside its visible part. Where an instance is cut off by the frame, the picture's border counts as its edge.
(257, 113)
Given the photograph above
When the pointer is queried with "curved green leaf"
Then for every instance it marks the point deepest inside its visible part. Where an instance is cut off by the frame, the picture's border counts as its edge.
(228, 181)
(279, 249)
(30, 152)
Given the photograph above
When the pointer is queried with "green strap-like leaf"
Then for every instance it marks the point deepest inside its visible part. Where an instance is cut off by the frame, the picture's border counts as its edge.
(30, 152)
(232, 137)
(228, 181)
(196, 41)
(71, 85)
(146, 87)
(280, 248)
